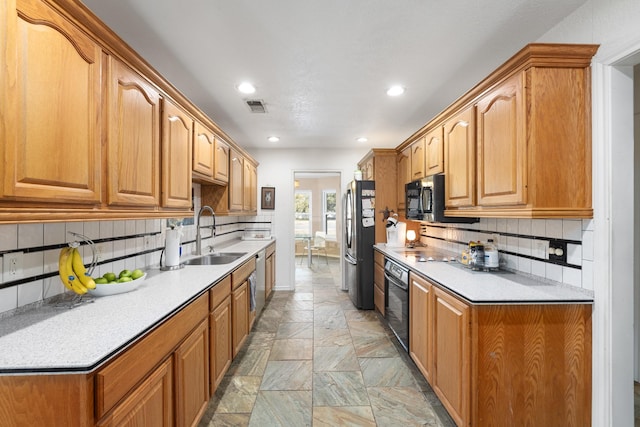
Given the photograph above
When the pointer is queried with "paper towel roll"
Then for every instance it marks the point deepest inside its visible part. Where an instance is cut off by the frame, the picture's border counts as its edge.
(172, 248)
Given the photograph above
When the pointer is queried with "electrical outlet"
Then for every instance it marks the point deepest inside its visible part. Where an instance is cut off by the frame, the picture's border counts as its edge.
(557, 251)
(12, 266)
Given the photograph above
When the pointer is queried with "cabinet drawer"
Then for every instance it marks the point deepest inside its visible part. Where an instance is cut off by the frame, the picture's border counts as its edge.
(378, 299)
(117, 379)
(241, 274)
(219, 292)
(378, 276)
(378, 257)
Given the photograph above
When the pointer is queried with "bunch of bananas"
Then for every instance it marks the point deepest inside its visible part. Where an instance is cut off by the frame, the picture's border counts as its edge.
(73, 272)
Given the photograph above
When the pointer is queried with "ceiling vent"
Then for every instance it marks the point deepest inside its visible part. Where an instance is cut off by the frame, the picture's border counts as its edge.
(256, 106)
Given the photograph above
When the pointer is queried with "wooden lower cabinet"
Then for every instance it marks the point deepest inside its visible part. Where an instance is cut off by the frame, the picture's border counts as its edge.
(192, 377)
(379, 297)
(502, 365)
(240, 316)
(270, 274)
(220, 341)
(150, 404)
(420, 324)
(451, 355)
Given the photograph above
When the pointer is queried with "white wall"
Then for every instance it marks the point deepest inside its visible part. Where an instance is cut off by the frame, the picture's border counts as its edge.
(613, 25)
(276, 169)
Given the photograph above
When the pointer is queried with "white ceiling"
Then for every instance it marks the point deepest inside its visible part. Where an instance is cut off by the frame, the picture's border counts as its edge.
(322, 67)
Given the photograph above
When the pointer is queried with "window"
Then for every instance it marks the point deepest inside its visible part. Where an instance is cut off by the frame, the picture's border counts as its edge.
(329, 200)
(303, 213)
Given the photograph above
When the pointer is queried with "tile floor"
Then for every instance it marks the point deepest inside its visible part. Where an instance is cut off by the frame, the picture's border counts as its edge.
(312, 359)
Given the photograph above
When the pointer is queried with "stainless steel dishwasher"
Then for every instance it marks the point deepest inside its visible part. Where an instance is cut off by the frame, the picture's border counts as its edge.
(260, 281)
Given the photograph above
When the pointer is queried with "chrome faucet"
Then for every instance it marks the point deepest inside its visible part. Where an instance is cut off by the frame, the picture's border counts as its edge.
(212, 227)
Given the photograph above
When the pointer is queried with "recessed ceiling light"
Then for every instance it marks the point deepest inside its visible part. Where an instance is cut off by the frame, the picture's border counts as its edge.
(362, 139)
(246, 87)
(273, 139)
(395, 90)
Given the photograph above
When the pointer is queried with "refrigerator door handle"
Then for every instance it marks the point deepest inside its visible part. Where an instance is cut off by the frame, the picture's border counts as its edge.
(351, 260)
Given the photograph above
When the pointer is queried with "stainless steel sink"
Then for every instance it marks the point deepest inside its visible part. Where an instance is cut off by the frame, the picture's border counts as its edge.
(216, 258)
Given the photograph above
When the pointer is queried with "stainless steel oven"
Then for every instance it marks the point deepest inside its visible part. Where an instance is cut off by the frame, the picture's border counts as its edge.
(397, 300)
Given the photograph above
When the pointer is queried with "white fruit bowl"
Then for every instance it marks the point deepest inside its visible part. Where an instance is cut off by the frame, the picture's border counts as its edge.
(106, 289)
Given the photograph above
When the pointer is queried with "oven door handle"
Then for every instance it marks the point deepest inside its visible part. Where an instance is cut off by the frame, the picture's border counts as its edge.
(396, 282)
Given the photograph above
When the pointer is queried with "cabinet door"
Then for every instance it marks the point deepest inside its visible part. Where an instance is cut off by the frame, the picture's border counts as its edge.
(420, 324)
(203, 150)
(240, 315)
(133, 151)
(221, 172)
(434, 152)
(378, 288)
(236, 186)
(459, 159)
(269, 270)
(502, 177)
(249, 196)
(150, 404)
(52, 96)
(368, 172)
(404, 175)
(220, 341)
(451, 350)
(192, 376)
(417, 159)
(177, 133)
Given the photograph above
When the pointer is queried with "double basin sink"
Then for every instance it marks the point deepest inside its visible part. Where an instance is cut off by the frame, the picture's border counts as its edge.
(215, 258)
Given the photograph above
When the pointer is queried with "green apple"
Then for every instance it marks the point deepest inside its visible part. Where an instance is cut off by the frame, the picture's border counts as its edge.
(101, 281)
(111, 277)
(137, 273)
(125, 279)
(124, 273)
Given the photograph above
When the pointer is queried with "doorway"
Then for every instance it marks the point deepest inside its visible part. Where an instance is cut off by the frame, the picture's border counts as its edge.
(317, 226)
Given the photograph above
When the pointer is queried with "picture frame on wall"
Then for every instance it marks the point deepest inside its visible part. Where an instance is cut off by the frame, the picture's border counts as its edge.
(268, 198)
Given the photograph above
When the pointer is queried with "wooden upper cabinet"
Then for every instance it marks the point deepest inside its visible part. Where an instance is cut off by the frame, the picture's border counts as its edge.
(203, 151)
(249, 187)
(133, 149)
(221, 161)
(52, 96)
(502, 172)
(459, 159)
(177, 132)
(236, 186)
(404, 175)
(366, 165)
(417, 159)
(434, 151)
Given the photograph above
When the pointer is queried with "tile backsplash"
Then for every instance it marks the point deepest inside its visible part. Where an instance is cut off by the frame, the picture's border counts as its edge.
(523, 245)
(119, 244)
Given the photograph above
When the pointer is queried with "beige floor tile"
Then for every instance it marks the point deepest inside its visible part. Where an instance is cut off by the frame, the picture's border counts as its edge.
(386, 372)
(295, 330)
(252, 362)
(229, 420)
(292, 349)
(394, 406)
(328, 416)
(297, 316)
(239, 395)
(282, 408)
(331, 337)
(337, 358)
(287, 375)
(339, 389)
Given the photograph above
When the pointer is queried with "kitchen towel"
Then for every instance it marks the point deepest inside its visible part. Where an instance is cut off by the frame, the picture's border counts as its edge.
(252, 291)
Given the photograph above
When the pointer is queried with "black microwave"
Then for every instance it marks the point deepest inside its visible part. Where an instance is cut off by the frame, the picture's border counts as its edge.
(425, 201)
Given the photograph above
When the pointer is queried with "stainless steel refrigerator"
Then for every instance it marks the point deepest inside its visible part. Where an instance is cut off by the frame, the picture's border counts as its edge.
(359, 238)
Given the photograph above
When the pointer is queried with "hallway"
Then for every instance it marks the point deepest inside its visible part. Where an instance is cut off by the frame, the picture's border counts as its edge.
(313, 359)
